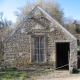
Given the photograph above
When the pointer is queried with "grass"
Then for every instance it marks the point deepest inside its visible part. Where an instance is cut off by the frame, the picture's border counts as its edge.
(12, 75)
(78, 71)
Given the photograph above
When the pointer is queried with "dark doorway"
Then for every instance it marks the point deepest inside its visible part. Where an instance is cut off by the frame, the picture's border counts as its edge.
(62, 50)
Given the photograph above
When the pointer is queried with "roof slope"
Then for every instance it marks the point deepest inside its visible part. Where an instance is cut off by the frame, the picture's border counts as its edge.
(44, 12)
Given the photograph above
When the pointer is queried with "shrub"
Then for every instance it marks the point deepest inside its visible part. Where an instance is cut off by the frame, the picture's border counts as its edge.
(13, 68)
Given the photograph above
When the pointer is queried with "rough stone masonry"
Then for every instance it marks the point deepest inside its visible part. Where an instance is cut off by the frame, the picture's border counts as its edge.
(19, 46)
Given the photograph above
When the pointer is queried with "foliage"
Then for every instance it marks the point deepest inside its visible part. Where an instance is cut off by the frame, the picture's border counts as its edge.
(78, 46)
(78, 43)
(5, 30)
(12, 68)
(12, 73)
(78, 28)
(78, 70)
(5, 27)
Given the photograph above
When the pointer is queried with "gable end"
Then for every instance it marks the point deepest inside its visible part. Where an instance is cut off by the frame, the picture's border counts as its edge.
(48, 17)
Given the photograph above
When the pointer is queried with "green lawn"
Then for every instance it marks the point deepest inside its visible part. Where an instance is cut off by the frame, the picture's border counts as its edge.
(7, 75)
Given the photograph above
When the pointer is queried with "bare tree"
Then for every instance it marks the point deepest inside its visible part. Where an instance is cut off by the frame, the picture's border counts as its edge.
(50, 6)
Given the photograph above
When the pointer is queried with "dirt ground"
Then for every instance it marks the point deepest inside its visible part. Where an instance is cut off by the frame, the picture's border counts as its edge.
(69, 78)
(49, 74)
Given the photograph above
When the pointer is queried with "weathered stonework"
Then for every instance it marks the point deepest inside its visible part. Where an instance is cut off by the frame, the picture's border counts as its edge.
(19, 46)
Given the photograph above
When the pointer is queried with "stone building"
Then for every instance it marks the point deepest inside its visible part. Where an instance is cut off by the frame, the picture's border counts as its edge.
(40, 39)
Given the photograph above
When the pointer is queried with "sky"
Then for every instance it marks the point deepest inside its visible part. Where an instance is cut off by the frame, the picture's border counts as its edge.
(71, 8)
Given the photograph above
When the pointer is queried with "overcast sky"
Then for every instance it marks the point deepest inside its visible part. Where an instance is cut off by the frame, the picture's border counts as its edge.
(71, 8)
